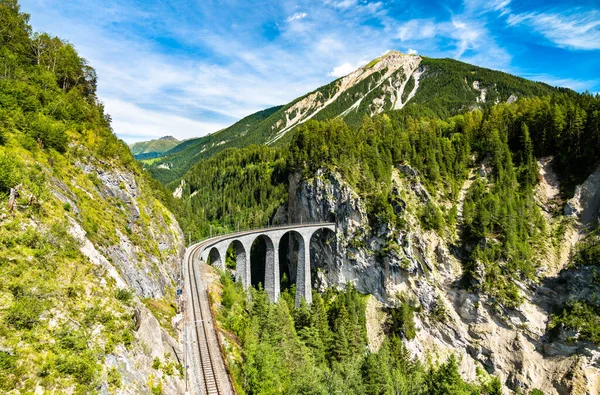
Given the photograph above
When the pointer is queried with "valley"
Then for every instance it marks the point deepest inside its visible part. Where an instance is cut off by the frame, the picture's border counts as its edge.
(418, 225)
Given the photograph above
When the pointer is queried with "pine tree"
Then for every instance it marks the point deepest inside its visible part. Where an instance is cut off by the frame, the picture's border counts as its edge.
(528, 162)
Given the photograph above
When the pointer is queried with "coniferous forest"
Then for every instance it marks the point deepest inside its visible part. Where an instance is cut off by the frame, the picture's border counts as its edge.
(500, 208)
(322, 348)
(60, 319)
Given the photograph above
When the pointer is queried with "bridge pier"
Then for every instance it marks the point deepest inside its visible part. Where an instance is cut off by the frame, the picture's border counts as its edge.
(303, 288)
(272, 271)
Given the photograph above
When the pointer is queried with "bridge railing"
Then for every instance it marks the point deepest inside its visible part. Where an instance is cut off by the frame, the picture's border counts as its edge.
(269, 227)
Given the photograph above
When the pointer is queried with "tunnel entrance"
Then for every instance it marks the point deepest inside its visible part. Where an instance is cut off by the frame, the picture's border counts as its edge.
(322, 254)
(258, 261)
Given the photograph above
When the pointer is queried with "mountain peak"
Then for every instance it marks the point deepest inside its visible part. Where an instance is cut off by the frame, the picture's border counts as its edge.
(391, 79)
(169, 138)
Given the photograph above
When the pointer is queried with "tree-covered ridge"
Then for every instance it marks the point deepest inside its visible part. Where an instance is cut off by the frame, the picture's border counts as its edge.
(236, 188)
(179, 159)
(153, 148)
(61, 314)
(502, 226)
(449, 86)
(322, 349)
(446, 87)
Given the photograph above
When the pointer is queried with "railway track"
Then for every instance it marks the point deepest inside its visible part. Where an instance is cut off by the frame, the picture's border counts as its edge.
(202, 324)
(209, 361)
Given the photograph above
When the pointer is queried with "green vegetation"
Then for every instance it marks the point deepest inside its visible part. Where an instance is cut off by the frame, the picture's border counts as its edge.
(60, 314)
(583, 315)
(153, 148)
(164, 310)
(235, 188)
(502, 225)
(43, 278)
(402, 321)
(183, 156)
(445, 89)
(322, 349)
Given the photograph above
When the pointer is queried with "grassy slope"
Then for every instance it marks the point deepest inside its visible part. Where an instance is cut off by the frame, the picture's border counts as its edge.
(61, 317)
(157, 146)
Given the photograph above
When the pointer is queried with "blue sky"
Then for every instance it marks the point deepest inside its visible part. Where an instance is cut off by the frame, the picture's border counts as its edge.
(188, 68)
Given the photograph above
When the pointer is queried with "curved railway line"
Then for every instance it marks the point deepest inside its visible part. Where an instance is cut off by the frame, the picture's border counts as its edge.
(200, 318)
(203, 356)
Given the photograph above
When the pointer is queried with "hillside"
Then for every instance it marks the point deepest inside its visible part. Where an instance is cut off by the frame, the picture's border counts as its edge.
(179, 159)
(457, 227)
(413, 85)
(153, 148)
(88, 255)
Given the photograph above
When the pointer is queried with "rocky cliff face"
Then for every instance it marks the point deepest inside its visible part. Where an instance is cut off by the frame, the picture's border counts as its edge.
(90, 243)
(380, 85)
(145, 257)
(425, 266)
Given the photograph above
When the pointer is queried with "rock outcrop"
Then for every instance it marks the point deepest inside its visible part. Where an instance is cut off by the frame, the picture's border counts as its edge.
(426, 267)
(144, 256)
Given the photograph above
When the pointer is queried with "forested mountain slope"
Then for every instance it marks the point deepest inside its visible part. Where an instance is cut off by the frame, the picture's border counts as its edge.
(455, 224)
(88, 254)
(411, 84)
(180, 158)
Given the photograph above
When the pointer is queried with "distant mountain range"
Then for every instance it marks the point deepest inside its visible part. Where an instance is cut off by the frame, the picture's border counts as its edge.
(393, 82)
(153, 148)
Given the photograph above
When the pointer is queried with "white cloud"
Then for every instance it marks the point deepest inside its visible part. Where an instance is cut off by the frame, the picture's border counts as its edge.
(343, 4)
(297, 16)
(342, 70)
(580, 30)
(417, 29)
(412, 51)
(329, 45)
(466, 35)
(482, 6)
(135, 123)
(571, 83)
(346, 68)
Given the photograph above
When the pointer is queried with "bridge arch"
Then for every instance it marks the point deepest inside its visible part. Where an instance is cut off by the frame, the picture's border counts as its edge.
(261, 260)
(214, 257)
(323, 247)
(257, 256)
(240, 258)
(293, 262)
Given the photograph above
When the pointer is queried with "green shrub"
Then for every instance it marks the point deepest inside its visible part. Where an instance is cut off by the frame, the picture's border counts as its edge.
(432, 217)
(51, 133)
(114, 378)
(402, 320)
(124, 295)
(10, 174)
(25, 312)
(156, 363)
(83, 367)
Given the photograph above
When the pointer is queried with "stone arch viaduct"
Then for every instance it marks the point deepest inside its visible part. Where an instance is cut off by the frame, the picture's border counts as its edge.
(216, 248)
